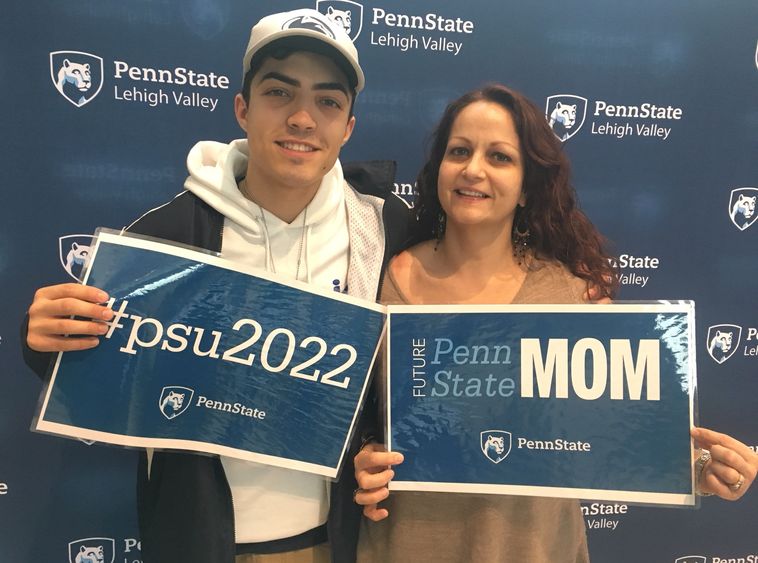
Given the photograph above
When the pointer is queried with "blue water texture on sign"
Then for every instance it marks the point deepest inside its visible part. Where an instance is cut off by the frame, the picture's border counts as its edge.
(636, 445)
(112, 391)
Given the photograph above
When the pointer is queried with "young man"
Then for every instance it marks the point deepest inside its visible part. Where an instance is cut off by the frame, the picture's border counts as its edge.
(280, 200)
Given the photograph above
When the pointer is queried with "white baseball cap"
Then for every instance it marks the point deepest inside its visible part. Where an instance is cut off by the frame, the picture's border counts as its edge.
(311, 24)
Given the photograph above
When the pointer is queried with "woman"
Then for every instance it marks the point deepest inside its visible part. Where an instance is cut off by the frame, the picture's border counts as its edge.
(499, 224)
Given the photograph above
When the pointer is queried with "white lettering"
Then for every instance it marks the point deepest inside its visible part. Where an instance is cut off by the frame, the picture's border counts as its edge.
(178, 75)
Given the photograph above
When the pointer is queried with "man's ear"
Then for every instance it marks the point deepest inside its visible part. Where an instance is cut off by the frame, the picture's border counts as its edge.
(348, 130)
(240, 111)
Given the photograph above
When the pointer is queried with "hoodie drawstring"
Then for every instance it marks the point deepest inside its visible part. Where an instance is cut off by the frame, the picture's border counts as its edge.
(303, 243)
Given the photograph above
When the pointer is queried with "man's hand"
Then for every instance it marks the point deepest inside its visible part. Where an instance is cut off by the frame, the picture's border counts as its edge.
(373, 473)
(50, 327)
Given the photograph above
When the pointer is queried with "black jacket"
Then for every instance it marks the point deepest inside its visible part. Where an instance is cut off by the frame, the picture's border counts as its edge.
(185, 507)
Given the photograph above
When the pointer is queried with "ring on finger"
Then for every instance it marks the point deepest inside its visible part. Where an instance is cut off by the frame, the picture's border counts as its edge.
(358, 490)
(734, 487)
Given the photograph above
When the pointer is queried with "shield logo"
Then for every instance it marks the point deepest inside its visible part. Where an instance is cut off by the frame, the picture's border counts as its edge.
(495, 444)
(309, 22)
(742, 207)
(345, 13)
(77, 75)
(92, 550)
(723, 341)
(175, 400)
(691, 559)
(74, 252)
(565, 114)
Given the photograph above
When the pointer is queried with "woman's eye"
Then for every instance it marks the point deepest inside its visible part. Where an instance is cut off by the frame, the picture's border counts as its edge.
(458, 151)
(501, 157)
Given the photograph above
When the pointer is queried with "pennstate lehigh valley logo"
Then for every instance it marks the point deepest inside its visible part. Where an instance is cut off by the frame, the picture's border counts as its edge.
(175, 400)
(345, 13)
(691, 559)
(495, 444)
(742, 207)
(92, 550)
(723, 341)
(565, 114)
(74, 253)
(78, 76)
(309, 22)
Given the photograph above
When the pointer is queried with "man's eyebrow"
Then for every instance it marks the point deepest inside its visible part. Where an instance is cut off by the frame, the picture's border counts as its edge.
(332, 86)
(294, 82)
(281, 78)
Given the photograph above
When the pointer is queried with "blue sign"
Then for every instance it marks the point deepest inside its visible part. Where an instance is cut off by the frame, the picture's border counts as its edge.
(576, 401)
(206, 355)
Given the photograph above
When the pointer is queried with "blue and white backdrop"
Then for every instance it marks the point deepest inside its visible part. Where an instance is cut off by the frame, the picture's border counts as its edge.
(663, 139)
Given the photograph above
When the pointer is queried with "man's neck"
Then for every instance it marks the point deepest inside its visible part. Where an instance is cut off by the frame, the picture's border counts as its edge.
(286, 205)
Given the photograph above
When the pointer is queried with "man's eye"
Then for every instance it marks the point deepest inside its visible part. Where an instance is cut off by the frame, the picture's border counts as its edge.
(277, 92)
(332, 103)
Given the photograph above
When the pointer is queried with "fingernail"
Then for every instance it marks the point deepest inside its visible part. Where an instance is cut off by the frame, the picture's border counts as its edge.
(107, 314)
(102, 296)
(102, 329)
(392, 474)
(399, 458)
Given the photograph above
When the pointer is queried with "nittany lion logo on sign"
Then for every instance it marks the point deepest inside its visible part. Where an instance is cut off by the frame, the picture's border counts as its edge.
(565, 114)
(309, 22)
(691, 559)
(92, 550)
(175, 400)
(742, 207)
(78, 76)
(496, 444)
(346, 14)
(723, 341)
(74, 252)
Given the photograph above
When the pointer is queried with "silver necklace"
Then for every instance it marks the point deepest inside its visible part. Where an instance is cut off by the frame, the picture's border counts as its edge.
(243, 189)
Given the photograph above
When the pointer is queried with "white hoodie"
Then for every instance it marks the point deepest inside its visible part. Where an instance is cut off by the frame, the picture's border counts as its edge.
(272, 503)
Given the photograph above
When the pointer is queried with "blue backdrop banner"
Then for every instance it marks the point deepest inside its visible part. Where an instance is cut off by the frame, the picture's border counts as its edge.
(206, 355)
(582, 401)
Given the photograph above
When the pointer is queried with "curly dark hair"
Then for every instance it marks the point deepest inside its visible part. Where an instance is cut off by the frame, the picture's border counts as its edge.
(559, 229)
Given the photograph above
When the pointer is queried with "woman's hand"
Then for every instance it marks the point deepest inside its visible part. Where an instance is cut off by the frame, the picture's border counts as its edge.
(732, 467)
(373, 472)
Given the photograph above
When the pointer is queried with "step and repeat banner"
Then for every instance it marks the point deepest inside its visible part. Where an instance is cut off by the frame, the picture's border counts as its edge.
(656, 104)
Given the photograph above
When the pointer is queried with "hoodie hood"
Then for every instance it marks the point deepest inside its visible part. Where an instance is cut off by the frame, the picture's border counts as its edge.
(214, 170)
(255, 237)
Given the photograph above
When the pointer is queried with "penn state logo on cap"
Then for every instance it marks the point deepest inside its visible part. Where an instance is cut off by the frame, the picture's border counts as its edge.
(495, 444)
(345, 13)
(175, 400)
(309, 22)
(92, 550)
(78, 76)
(742, 207)
(723, 341)
(565, 114)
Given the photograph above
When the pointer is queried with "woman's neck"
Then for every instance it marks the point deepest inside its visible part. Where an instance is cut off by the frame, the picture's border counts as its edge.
(467, 266)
